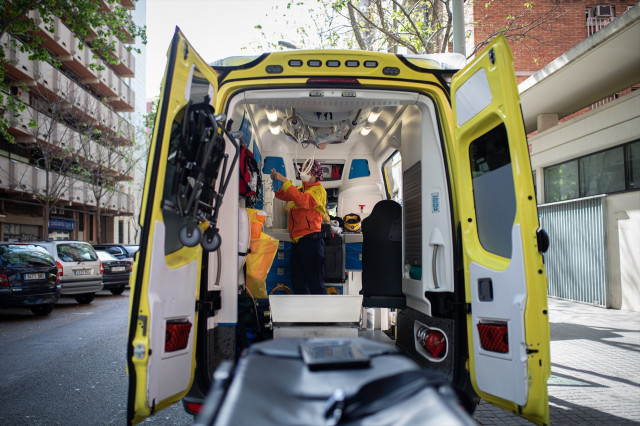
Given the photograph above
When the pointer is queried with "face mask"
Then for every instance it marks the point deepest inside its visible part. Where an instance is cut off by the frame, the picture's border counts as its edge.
(305, 177)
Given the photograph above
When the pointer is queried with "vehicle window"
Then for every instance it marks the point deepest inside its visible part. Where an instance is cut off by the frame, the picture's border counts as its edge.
(493, 190)
(132, 249)
(25, 255)
(392, 172)
(104, 256)
(75, 252)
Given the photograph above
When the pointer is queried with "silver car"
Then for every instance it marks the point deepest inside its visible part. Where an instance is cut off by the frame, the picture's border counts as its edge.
(79, 269)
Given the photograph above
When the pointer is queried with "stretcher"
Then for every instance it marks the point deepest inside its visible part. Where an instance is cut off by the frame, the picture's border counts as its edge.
(352, 381)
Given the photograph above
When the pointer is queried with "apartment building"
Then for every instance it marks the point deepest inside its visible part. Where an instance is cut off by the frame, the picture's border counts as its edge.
(579, 74)
(74, 138)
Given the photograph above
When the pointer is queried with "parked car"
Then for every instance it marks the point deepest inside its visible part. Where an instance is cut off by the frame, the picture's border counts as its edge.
(28, 278)
(79, 269)
(120, 251)
(116, 272)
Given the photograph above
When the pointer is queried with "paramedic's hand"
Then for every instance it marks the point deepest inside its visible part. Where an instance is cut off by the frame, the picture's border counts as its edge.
(277, 176)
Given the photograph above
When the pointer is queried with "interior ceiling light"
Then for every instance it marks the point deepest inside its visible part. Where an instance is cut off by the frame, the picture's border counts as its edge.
(374, 114)
(274, 129)
(366, 129)
(272, 114)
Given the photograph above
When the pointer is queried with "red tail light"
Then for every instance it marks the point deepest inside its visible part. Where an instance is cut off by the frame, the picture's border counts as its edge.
(4, 281)
(101, 269)
(60, 271)
(194, 407)
(130, 266)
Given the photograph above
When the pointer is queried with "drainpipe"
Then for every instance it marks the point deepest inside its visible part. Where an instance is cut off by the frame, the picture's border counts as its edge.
(458, 27)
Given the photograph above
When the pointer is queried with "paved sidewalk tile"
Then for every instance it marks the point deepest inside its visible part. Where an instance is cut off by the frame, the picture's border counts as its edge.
(595, 368)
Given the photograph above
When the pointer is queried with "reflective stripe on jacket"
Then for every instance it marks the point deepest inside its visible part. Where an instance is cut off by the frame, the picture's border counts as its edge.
(308, 209)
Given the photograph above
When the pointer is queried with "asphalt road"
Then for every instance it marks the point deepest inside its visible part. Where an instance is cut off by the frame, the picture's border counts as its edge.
(69, 368)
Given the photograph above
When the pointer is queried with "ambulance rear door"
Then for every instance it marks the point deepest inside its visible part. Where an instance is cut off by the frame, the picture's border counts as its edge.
(506, 287)
(166, 298)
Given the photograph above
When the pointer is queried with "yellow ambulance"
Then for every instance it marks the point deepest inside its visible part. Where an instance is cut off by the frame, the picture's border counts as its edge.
(439, 142)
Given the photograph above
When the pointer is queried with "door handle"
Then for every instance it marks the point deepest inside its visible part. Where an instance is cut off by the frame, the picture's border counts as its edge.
(434, 271)
(437, 241)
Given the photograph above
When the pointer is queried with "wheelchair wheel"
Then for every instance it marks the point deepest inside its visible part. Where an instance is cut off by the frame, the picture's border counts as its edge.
(190, 234)
(211, 240)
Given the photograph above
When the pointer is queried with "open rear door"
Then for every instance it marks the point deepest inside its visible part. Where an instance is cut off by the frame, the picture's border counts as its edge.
(506, 286)
(178, 223)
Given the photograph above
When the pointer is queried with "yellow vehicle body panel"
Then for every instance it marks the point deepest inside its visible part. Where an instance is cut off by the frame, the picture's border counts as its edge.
(496, 60)
(171, 104)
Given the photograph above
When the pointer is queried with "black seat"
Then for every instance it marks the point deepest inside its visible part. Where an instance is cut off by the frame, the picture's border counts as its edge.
(382, 257)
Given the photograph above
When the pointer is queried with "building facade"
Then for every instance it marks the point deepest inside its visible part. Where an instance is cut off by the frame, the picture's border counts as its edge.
(73, 118)
(578, 68)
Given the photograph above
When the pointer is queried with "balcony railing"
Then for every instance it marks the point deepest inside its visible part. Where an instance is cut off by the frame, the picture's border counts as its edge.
(596, 24)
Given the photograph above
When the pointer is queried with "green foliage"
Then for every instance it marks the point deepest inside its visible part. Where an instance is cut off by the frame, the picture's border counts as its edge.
(19, 18)
(413, 26)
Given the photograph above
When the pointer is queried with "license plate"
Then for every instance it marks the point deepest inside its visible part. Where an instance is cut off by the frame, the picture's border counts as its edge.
(82, 272)
(118, 269)
(38, 276)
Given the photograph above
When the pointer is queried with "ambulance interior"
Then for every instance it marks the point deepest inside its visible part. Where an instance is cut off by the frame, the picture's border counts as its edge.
(374, 145)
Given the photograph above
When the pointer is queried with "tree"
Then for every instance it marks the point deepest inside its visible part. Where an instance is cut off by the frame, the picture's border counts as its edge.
(105, 160)
(94, 24)
(412, 26)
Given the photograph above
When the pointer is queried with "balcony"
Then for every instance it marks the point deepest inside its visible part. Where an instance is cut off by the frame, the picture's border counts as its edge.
(19, 66)
(5, 177)
(125, 100)
(127, 65)
(78, 192)
(19, 124)
(106, 82)
(47, 80)
(20, 176)
(125, 204)
(118, 203)
(80, 62)
(59, 41)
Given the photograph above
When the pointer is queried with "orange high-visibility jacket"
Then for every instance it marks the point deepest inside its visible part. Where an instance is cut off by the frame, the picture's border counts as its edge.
(308, 209)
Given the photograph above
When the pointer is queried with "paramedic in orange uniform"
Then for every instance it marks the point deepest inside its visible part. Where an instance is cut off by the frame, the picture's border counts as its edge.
(306, 213)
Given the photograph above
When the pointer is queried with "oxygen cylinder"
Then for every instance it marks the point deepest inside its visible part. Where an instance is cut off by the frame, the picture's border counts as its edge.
(244, 237)
(371, 318)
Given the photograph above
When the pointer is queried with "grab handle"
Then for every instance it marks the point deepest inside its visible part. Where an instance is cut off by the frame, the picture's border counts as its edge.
(434, 264)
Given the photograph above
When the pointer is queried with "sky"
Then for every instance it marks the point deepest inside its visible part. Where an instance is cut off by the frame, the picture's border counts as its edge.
(215, 28)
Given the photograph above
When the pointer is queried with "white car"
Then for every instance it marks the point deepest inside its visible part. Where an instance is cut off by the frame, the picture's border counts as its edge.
(79, 269)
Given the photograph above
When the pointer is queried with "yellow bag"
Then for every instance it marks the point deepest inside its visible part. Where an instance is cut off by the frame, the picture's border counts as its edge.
(259, 260)
(256, 219)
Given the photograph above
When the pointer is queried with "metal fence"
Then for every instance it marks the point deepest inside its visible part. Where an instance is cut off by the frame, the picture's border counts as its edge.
(576, 261)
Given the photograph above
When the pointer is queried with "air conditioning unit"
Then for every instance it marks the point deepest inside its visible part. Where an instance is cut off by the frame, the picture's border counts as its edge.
(604, 10)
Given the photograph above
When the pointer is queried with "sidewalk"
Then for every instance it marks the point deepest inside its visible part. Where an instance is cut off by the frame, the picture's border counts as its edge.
(595, 368)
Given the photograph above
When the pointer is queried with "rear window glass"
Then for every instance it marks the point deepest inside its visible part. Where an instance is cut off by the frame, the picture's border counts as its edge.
(13, 255)
(74, 252)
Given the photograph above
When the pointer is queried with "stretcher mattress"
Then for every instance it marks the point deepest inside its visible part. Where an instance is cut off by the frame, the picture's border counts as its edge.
(272, 385)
